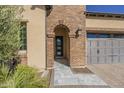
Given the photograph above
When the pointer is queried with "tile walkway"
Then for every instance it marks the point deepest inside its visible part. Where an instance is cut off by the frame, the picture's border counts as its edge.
(63, 75)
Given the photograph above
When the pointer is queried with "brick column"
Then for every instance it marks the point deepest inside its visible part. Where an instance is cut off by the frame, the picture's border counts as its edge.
(77, 59)
(50, 51)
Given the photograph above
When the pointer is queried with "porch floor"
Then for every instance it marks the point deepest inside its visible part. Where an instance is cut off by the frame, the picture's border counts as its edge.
(64, 76)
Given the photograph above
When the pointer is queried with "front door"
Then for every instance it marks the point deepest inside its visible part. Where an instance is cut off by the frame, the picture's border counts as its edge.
(59, 46)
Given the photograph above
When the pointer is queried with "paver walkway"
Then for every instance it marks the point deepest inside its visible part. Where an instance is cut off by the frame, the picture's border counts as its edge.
(112, 74)
(65, 76)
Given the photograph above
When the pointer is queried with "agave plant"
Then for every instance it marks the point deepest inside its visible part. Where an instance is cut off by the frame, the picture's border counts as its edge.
(22, 77)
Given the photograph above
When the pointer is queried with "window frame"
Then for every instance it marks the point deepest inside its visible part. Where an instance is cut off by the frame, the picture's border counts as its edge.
(23, 36)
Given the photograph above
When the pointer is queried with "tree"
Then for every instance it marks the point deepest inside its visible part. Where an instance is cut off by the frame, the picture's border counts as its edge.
(10, 18)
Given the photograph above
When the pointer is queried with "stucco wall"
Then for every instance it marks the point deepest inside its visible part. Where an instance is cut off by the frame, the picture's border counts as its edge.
(36, 53)
(104, 23)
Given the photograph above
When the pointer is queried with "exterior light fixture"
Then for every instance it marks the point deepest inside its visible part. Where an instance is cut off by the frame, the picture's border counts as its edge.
(79, 30)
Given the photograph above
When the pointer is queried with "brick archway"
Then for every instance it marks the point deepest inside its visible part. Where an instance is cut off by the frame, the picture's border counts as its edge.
(61, 31)
(58, 30)
(71, 17)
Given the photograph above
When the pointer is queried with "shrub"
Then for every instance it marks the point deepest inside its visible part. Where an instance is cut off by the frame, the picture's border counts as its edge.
(22, 77)
(10, 18)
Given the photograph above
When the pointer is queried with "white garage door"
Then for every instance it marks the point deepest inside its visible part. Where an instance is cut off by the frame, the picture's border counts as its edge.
(105, 50)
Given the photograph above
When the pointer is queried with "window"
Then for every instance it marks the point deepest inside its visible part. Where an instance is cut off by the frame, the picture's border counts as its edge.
(91, 35)
(23, 36)
(118, 35)
(103, 35)
(94, 35)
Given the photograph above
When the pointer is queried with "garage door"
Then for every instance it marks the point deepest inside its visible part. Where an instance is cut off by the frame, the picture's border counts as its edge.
(105, 49)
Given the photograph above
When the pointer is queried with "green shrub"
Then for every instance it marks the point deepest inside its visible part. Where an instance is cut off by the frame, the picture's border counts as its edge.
(10, 18)
(22, 77)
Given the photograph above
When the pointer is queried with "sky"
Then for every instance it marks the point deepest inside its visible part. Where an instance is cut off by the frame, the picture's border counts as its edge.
(115, 9)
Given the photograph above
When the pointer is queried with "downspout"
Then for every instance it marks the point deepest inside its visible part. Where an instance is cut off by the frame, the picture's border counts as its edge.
(46, 36)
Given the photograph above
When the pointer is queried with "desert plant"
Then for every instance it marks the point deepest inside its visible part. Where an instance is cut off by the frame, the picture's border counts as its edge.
(22, 77)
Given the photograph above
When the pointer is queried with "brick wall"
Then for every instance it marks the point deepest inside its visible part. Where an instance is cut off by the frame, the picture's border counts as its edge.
(23, 59)
(73, 17)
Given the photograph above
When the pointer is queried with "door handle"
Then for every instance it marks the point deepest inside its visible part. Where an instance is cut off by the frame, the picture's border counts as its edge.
(97, 51)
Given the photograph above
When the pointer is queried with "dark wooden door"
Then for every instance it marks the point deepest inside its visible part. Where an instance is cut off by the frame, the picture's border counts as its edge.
(59, 46)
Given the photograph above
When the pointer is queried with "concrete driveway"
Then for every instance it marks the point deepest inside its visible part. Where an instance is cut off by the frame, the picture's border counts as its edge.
(112, 74)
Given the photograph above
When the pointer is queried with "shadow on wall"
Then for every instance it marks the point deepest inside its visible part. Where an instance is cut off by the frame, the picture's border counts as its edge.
(48, 8)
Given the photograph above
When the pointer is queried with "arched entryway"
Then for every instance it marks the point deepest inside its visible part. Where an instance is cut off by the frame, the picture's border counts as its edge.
(72, 24)
(62, 43)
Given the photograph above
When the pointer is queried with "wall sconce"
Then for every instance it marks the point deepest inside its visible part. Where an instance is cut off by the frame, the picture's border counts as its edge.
(79, 30)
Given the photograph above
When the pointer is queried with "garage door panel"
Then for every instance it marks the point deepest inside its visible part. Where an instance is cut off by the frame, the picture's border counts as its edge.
(115, 59)
(121, 51)
(93, 43)
(116, 51)
(121, 58)
(102, 59)
(108, 59)
(108, 51)
(89, 60)
(109, 44)
(121, 43)
(88, 52)
(93, 51)
(88, 48)
(115, 43)
(88, 44)
(94, 60)
(101, 51)
(101, 43)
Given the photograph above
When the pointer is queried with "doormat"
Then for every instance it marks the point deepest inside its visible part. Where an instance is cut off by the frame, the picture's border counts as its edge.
(81, 70)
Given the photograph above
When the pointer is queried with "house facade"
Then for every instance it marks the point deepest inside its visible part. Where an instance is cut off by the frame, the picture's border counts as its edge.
(71, 33)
